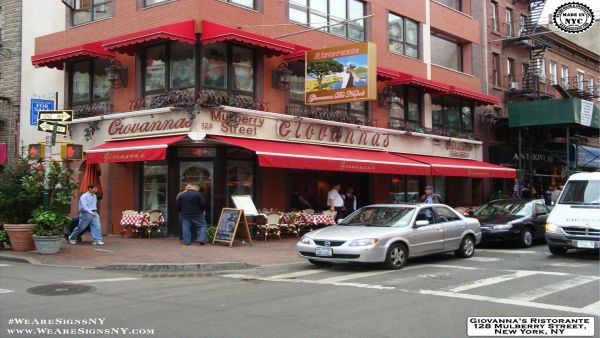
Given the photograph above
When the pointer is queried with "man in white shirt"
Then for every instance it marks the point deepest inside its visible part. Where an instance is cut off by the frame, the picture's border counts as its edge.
(335, 201)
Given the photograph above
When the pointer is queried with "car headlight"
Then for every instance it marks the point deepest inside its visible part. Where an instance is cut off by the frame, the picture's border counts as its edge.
(502, 226)
(305, 240)
(364, 241)
(552, 228)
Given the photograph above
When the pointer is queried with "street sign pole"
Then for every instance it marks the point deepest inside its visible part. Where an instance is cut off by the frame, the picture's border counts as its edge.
(47, 159)
(54, 128)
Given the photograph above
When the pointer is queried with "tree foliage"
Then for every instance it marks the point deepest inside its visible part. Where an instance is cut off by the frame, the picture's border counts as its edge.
(322, 68)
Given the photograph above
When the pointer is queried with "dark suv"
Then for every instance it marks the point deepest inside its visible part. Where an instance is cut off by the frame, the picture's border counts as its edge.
(520, 221)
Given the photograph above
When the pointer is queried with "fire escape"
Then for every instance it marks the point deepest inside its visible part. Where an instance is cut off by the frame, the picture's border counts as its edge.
(537, 45)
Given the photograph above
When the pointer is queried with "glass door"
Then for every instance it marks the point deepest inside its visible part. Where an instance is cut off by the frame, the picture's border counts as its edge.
(202, 174)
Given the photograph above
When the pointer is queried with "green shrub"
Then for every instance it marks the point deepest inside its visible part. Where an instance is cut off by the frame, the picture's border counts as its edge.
(49, 222)
(210, 232)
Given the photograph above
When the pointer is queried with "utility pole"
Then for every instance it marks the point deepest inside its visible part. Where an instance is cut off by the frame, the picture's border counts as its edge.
(50, 141)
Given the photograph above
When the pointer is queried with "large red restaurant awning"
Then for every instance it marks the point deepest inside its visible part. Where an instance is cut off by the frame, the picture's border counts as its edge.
(430, 87)
(57, 58)
(147, 149)
(445, 166)
(182, 31)
(480, 98)
(316, 157)
(212, 32)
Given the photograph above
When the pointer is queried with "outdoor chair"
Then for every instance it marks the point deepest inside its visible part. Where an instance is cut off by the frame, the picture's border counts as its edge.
(292, 225)
(272, 226)
(154, 222)
(128, 219)
(331, 213)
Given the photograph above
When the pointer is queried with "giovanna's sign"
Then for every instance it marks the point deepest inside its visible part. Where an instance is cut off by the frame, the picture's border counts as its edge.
(341, 74)
(299, 131)
(155, 126)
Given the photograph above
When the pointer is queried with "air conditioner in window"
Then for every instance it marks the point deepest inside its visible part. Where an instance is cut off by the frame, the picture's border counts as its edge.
(513, 85)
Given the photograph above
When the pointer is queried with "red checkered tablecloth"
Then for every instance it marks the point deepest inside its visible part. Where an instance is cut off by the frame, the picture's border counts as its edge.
(318, 219)
(137, 220)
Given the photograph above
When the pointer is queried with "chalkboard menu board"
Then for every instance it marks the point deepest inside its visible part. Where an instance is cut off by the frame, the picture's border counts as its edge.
(228, 225)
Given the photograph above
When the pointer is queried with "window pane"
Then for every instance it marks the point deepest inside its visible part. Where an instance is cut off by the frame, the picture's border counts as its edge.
(397, 104)
(81, 82)
(246, 3)
(319, 6)
(155, 69)
(451, 111)
(102, 11)
(445, 53)
(182, 65)
(357, 9)
(451, 3)
(358, 108)
(339, 29)
(412, 32)
(152, 2)
(299, 16)
(101, 84)
(395, 33)
(339, 108)
(467, 115)
(436, 111)
(317, 20)
(356, 32)
(338, 9)
(243, 69)
(297, 81)
(240, 178)
(414, 98)
(82, 16)
(214, 65)
(299, 2)
(155, 187)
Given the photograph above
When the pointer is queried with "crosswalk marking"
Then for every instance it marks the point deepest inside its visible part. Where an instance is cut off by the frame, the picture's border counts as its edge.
(484, 259)
(593, 308)
(4, 265)
(296, 274)
(569, 265)
(552, 288)
(5, 291)
(490, 281)
(448, 266)
(355, 276)
(101, 280)
(288, 280)
(509, 251)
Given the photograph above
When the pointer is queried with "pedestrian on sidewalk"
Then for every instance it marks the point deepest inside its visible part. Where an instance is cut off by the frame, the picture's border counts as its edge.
(430, 196)
(191, 204)
(88, 216)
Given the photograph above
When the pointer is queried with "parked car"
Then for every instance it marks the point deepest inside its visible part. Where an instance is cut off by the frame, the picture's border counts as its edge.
(574, 223)
(390, 234)
(520, 221)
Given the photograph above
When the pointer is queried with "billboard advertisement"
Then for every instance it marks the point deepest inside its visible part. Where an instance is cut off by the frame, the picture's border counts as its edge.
(341, 74)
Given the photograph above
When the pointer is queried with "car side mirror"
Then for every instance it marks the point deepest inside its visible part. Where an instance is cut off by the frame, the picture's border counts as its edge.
(421, 223)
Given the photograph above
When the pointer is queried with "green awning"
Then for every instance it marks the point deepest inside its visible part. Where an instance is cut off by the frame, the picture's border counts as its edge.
(552, 112)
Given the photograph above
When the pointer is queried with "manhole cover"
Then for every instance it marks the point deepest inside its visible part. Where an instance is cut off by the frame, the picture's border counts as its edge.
(60, 289)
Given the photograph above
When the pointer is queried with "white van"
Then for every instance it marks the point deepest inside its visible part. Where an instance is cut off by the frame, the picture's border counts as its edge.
(574, 223)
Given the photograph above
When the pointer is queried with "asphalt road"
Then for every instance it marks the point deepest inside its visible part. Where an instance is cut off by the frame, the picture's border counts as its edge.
(430, 297)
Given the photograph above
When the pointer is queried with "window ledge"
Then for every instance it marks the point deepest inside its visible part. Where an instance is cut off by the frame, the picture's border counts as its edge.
(494, 87)
(452, 70)
(239, 6)
(453, 9)
(90, 22)
(497, 33)
(157, 4)
(406, 56)
(320, 31)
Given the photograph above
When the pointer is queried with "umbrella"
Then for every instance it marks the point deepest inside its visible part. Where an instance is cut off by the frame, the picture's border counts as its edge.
(91, 176)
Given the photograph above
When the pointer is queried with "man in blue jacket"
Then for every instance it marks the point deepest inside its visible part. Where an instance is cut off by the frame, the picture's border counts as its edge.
(191, 204)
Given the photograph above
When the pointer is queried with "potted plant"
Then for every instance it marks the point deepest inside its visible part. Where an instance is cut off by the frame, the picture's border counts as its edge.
(21, 191)
(50, 223)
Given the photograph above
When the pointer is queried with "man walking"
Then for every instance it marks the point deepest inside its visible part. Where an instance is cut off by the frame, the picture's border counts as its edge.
(335, 201)
(192, 206)
(430, 197)
(88, 216)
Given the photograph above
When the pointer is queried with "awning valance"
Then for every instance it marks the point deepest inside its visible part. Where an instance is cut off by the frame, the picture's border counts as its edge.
(3, 153)
(317, 157)
(430, 87)
(57, 58)
(212, 32)
(446, 166)
(385, 74)
(481, 99)
(182, 31)
(146, 149)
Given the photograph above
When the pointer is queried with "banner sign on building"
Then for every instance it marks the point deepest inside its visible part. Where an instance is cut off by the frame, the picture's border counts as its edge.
(36, 106)
(341, 74)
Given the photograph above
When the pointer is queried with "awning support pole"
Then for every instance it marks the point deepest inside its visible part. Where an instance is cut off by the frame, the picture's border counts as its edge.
(520, 173)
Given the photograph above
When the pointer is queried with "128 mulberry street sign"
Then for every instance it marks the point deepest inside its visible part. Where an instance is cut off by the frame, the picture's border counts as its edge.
(49, 126)
(55, 115)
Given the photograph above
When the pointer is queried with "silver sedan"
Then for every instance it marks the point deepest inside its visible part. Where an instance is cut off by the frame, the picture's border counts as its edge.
(390, 233)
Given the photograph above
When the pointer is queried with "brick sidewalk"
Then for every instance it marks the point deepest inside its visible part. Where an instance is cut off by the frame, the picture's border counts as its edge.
(137, 250)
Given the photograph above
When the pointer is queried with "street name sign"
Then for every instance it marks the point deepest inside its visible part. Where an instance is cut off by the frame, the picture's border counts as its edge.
(55, 115)
(49, 127)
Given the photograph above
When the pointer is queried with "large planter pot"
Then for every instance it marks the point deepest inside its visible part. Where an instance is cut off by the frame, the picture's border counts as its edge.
(47, 245)
(20, 236)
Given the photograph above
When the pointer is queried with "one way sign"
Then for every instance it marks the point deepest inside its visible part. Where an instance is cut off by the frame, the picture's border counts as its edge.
(49, 126)
(55, 115)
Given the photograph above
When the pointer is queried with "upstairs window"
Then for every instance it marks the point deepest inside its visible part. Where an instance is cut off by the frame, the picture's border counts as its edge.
(565, 76)
(446, 52)
(244, 3)
(154, 2)
(406, 105)
(228, 70)
(591, 85)
(509, 23)
(454, 4)
(496, 69)
(451, 112)
(403, 36)
(167, 67)
(510, 70)
(83, 11)
(522, 24)
(580, 80)
(553, 73)
(494, 13)
(88, 82)
(318, 13)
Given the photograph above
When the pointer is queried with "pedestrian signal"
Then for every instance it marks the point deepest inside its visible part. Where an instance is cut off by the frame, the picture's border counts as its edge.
(71, 152)
(37, 151)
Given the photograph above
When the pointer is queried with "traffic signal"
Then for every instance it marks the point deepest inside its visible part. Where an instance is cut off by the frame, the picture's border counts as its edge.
(37, 151)
(71, 151)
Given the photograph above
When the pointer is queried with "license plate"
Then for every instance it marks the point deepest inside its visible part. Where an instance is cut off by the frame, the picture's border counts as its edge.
(585, 244)
(324, 252)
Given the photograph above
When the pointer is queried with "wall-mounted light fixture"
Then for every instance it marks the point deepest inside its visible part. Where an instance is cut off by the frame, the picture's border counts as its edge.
(385, 98)
(117, 74)
(280, 76)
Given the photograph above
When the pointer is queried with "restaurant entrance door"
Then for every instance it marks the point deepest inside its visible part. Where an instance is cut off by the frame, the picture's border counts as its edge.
(201, 173)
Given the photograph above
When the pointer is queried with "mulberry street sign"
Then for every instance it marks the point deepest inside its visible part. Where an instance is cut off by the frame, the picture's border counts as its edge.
(49, 127)
(55, 115)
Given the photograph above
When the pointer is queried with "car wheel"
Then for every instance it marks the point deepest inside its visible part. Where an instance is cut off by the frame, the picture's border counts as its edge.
(526, 238)
(319, 263)
(557, 250)
(466, 248)
(396, 256)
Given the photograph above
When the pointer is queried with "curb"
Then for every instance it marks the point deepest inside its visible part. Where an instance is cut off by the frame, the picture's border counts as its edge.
(19, 259)
(178, 267)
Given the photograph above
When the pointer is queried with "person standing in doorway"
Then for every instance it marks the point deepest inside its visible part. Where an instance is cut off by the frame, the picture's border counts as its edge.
(88, 216)
(191, 204)
(349, 201)
(430, 196)
(335, 201)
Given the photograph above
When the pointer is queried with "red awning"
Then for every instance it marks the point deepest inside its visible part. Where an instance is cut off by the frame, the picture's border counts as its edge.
(3, 154)
(480, 98)
(431, 87)
(182, 31)
(212, 32)
(384, 74)
(57, 58)
(316, 157)
(147, 149)
(445, 166)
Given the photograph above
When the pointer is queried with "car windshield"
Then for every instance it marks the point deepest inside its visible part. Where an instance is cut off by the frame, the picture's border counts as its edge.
(581, 192)
(516, 208)
(380, 217)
